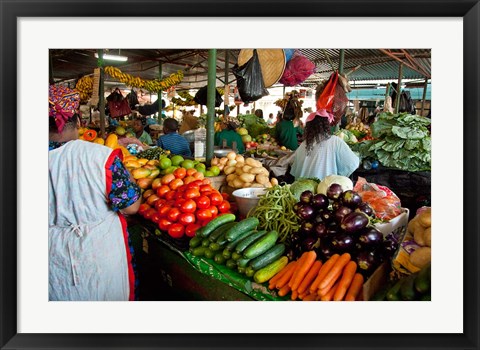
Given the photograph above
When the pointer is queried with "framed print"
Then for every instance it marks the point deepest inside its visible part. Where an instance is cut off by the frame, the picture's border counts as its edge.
(28, 320)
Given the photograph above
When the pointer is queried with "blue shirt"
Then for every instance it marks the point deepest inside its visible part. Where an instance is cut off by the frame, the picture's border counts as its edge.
(175, 143)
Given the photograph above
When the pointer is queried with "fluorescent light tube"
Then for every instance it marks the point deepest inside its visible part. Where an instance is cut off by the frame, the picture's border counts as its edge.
(113, 57)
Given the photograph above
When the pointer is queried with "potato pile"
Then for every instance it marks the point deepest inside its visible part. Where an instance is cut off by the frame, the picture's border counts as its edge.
(420, 229)
(244, 172)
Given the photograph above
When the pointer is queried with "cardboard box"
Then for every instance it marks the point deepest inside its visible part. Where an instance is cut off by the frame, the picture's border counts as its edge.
(396, 226)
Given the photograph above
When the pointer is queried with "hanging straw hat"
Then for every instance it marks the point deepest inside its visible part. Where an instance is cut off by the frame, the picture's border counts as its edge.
(272, 61)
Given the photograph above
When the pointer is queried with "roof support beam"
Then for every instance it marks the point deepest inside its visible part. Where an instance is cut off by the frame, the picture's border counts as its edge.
(394, 56)
(414, 62)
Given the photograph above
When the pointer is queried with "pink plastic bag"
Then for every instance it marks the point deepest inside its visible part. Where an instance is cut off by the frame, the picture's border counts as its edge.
(383, 201)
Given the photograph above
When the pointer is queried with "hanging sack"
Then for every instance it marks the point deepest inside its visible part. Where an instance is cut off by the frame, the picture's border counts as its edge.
(119, 108)
(325, 101)
(132, 99)
(115, 96)
(250, 79)
(201, 97)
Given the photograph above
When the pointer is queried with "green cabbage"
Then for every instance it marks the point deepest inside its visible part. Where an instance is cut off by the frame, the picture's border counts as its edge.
(301, 185)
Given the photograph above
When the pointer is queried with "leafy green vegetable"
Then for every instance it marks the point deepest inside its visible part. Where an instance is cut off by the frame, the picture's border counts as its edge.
(401, 141)
(303, 184)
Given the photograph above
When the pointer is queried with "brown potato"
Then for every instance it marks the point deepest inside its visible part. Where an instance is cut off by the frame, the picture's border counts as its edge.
(421, 257)
(427, 236)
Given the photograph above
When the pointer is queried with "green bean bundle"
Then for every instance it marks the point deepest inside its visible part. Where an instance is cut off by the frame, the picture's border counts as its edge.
(275, 211)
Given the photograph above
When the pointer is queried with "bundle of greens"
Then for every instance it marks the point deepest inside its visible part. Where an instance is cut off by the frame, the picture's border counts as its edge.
(400, 141)
(255, 125)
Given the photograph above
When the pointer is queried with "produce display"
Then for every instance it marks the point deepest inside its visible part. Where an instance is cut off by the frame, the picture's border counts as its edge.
(401, 141)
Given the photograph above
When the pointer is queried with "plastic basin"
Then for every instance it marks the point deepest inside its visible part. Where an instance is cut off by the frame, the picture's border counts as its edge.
(247, 198)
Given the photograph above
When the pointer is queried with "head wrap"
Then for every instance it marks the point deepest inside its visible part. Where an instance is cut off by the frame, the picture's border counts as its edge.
(231, 121)
(63, 104)
(321, 113)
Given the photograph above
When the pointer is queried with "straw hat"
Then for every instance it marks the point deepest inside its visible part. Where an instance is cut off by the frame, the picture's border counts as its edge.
(272, 61)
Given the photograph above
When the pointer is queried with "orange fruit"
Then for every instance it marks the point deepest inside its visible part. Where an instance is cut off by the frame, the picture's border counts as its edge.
(191, 171)
(188, 179)
(176, 183)
(166, 179)
(157, 182)
(199, 175)
(180, 173)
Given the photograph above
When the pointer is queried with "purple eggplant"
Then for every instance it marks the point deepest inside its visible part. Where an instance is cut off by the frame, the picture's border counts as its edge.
(370, 237)
(310, 243)
(317, 218)
(320, 230)
(341, 212)
(320, 201)
(290, 254)
(306, 197)
(336, 204)
(305, 212)
(327, 216)
(389, 247)
(354, 222)
(367, 261)
(365, 208)
(334, 191)
(333, 229)
(307, 227)
(343, 243)
(351, 199)
(325, 251)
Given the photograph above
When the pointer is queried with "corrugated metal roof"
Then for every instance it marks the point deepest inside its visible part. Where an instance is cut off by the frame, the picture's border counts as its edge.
(359, 64)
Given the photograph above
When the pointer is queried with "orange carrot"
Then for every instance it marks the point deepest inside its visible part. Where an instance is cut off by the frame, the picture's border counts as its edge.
(284, 290)
(310, 297)
(274, 279)
(347, 278)
(294, 295)
(299, 263)
(312, 273)
(355, 287)
(323, 272)
(282, 281)
(334, 271)
(303, 295)
(323, 291)
(303, 269)
(329, 295)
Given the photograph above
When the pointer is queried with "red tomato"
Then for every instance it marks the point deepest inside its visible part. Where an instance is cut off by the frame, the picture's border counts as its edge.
(173, 214)
(164, 224)
(186, 218)
(163, 211)
(225, 196)
(205, 188)
(203, 202)
(191, 229)
(162, 191)
(179, 202)
(224, 207)
(203, 214)
(156, 217)
(171, 195)
(176, 230)
(159, 203)
(143, 208)
(175, 184)
(191, 193)
(216, 198)
(149, 213)
(214, 210)
(180, 173)
(189, 206)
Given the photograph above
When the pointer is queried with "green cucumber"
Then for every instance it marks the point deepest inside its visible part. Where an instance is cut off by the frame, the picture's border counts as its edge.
(227, 254)
(220, 230)
(243, 262)
(264, 274)
(214, 246)
(231, 245)
(241, 269)
(199, 251)
(245, 242)
(216, 223)
(407, 290)
(393, 293)
(195, 241)
(243, 226)
(261, 245)
(231, 264)
(219, 258)
(205, 242)
(268, 257)
(422, 282)
(236, 256)
(249, 272)
(209, 253)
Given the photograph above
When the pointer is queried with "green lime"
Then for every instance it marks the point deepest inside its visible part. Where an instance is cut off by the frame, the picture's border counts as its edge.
(200, 170)
(177, 159)
(170, 169)
(165, 163)
(215, 170)
(187, 164)
(200, 165)
(208, 173)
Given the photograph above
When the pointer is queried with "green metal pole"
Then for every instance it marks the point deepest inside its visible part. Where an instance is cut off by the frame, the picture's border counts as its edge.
(399, 88)
(424, 96)
(101, 102)
(160, 119)
(50, 63)
(212, 78)
(227, 61)
(342, 60)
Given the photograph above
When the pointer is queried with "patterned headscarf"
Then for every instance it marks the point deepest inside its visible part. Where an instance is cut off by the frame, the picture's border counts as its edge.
(232, 122)
(63, 103)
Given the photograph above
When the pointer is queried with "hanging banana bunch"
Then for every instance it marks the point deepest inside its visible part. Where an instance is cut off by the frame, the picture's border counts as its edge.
(150, 85)
(85, 87)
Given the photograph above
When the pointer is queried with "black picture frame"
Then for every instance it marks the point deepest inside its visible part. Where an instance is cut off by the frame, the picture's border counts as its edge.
(11, 11)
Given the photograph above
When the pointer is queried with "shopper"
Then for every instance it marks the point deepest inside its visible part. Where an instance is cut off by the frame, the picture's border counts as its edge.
(259, 113)
(89, 192)
(228, 133)
(271, 119)
(322, 154)
(172, 141)
(140, 132)
(286, 133)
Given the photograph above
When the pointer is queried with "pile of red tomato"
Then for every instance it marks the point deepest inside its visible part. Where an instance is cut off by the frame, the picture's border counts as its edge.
(182, 202)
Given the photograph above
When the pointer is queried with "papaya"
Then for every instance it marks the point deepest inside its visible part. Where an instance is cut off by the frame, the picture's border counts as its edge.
(89, 135)
(111, 141)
